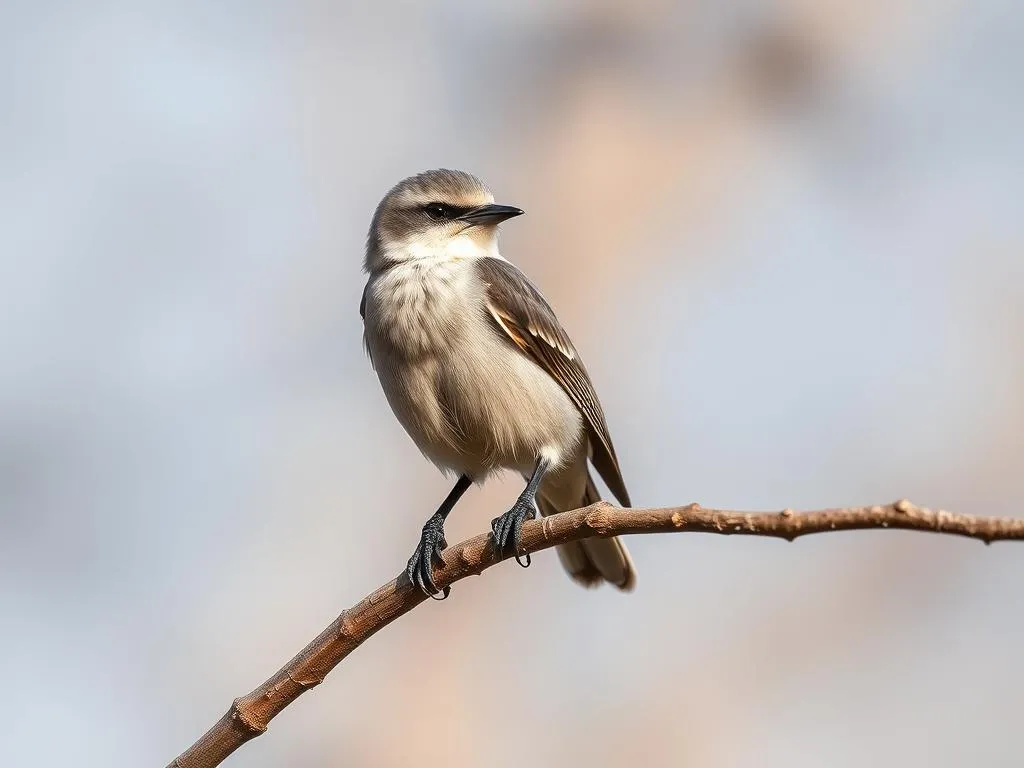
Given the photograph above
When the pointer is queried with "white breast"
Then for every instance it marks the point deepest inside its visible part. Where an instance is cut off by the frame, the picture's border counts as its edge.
(418, 306)
(469, 399)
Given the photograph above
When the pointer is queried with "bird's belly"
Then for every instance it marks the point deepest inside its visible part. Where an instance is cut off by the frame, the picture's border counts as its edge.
(470, 400)
(481, 406)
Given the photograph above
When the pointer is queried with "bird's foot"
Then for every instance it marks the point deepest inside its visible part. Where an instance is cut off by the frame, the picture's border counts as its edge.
(508, 529)
(420, 569)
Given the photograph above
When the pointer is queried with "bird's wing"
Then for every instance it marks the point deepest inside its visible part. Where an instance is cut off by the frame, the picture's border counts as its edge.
(527, 320)
(362, 314)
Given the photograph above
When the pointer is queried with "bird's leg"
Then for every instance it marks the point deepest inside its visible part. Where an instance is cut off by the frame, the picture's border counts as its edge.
(507, 529)
(420, 569)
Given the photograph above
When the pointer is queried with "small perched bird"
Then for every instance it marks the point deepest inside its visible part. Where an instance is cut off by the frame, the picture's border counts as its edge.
(480, 372)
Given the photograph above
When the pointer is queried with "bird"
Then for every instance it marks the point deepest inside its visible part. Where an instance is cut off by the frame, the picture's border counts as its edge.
(481, 374)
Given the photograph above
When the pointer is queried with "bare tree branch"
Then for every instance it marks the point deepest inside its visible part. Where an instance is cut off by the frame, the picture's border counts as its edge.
(250, 715)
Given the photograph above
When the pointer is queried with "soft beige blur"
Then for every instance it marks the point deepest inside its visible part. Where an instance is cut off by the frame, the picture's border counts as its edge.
(786, 239)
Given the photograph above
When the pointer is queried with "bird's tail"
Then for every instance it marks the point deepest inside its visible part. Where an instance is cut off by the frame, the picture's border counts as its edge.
(591, 561)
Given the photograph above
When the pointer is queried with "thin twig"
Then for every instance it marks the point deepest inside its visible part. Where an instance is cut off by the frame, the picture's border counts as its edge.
(250, 715)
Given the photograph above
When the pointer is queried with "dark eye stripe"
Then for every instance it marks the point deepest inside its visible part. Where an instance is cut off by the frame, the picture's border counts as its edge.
(443, 211)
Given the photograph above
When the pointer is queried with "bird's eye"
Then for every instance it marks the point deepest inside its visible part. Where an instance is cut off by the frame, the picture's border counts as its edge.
(438, 211)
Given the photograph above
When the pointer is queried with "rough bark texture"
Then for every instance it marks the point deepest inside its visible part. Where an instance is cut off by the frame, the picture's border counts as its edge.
(250, 715)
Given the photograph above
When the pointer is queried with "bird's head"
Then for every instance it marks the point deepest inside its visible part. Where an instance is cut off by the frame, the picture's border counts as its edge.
(435, 214)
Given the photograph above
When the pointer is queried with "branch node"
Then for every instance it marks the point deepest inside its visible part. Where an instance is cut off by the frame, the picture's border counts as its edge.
(598, 519)
(303, 684)
(904, 506)
(346, 627)
(249, 724)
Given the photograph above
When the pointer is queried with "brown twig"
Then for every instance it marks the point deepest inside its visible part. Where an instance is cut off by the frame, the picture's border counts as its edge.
(250, 715)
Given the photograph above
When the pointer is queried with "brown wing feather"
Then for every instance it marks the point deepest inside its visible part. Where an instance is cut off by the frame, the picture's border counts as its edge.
(528, 321)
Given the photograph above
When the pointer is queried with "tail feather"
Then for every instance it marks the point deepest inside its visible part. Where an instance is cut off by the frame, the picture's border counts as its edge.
(592, 561)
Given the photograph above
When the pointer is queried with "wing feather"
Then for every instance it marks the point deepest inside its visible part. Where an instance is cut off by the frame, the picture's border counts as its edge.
(528, 321)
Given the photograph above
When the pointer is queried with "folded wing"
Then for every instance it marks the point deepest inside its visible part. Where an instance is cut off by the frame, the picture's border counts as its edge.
(528, 321)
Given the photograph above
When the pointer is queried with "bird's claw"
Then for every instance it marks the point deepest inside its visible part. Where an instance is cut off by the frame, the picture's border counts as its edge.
(507, 530)
(420, 569)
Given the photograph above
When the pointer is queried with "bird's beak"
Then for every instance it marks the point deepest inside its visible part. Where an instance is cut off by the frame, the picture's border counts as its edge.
(490, 214)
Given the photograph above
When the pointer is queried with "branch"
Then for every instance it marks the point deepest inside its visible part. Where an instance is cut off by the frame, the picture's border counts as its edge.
(250, 715)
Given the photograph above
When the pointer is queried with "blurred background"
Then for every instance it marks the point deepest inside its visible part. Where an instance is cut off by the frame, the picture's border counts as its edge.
(786, 237)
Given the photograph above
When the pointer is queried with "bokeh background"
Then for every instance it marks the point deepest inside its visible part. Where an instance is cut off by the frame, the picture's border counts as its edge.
(787, 238)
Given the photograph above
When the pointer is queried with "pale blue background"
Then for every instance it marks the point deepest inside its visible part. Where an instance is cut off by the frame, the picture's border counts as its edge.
(793, 290)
